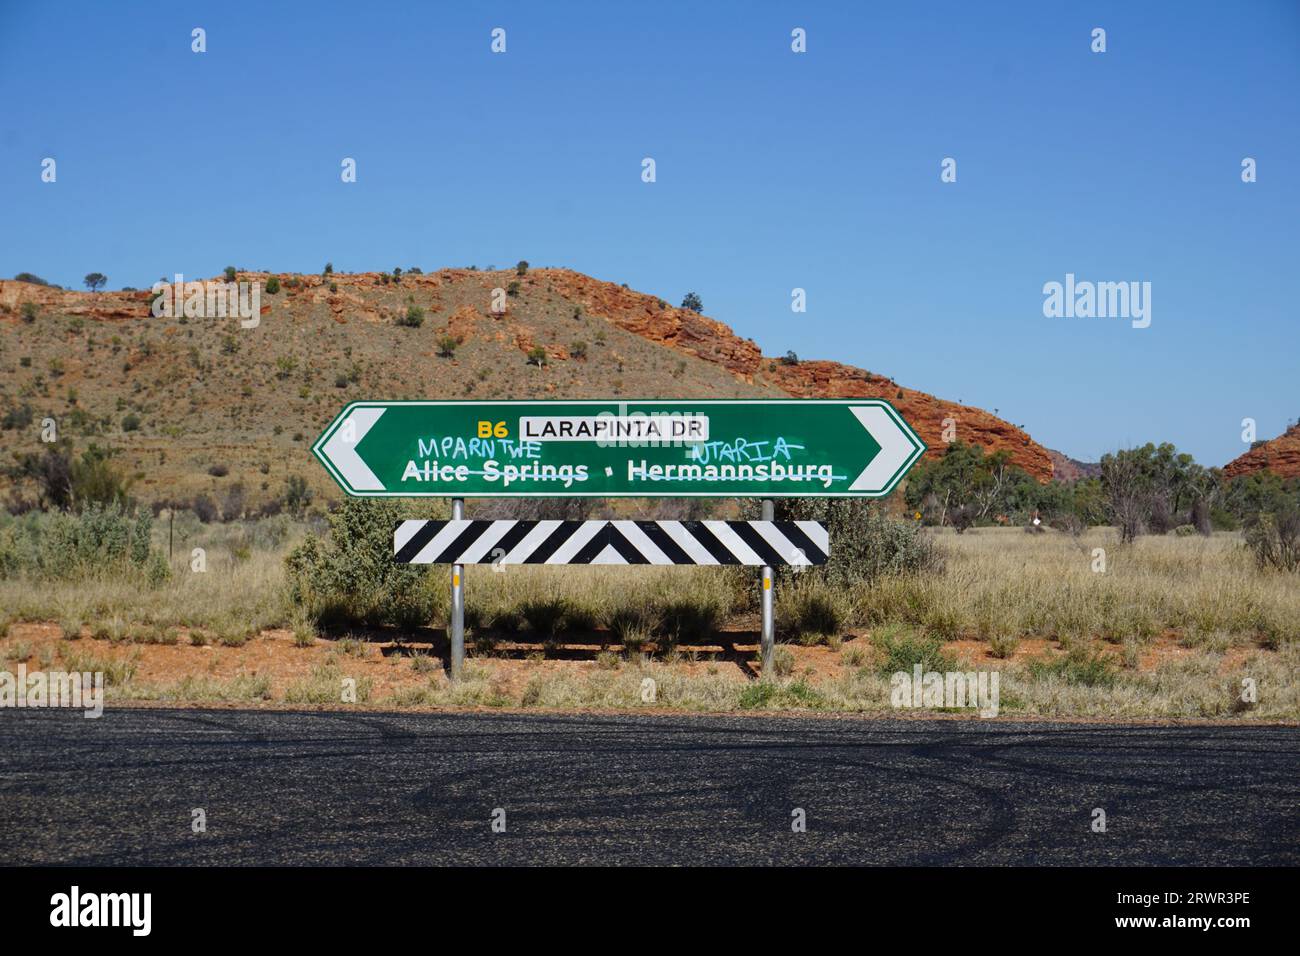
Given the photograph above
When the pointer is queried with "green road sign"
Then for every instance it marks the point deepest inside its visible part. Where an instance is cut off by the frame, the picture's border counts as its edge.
(761, 448)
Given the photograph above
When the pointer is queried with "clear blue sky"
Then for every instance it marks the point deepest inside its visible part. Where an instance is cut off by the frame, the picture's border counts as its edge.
(775, 170)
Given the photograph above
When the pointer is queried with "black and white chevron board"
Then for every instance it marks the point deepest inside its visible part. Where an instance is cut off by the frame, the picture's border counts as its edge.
(755, 543)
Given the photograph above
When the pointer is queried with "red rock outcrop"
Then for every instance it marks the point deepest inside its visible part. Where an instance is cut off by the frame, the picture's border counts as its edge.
(654, 319)
(1281, 456)
(1065, 468)
(929, 416)
(708, 339)
(109, 306)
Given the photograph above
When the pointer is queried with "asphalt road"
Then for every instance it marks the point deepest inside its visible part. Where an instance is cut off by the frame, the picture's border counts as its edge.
(369, 788)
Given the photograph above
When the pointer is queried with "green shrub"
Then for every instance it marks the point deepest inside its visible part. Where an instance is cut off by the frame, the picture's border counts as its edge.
(811, 610)
(545, 616)
(325, 686)
(1274, 539)
(17, 417)
(423, 663)
(690, 619)
(233, 634)
(903, 651)
(116, 671)
(413, 318)
(866, 543)
(1003, 646)
(350, 578)
(767, 695)
(1080, 666)
(853, 655)
(757, 695)
(633, 624)
(447, 345)
(101, 541)
(272, 285)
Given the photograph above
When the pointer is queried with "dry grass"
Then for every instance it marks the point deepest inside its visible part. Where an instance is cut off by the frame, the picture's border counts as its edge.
(1002, 582)
(229, 598)
(1169, 630)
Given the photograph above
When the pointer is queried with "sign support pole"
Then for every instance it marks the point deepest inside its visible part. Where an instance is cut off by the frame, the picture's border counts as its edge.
(769, 625)
(457, 627)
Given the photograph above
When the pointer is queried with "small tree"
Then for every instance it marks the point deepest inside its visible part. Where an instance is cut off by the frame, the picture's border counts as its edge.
(578, 350)
(537, 356)
(692, 302)
(204, 508)
(447, 345)
(789, 358)
(272, 285)
(512, 289)
(349, 577)
(962, 518)
(29, 312)
(231, 272)
(521, 268)
(95, 281)
(1130, 501)
(297, 496)
(1275, 540)
(413, 319)
(328, 270)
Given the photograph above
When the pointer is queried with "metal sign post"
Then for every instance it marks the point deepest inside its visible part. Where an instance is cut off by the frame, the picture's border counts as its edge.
(769, 624)
(457, 602)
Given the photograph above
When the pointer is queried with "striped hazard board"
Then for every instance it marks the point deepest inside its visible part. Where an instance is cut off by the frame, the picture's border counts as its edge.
(611, 542)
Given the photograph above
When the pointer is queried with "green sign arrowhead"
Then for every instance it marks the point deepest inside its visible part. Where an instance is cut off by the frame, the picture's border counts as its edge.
(762, 449)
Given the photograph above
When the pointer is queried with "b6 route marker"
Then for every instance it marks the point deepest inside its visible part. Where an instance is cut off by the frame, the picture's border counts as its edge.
(680, 448)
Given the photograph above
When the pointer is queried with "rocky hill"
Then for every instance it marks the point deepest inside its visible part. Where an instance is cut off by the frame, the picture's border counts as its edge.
(1280, 455)
(201, 405)
(1065, 468)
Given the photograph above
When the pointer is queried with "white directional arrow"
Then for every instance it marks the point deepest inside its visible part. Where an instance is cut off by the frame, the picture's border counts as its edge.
(341, 449)
(897, 446)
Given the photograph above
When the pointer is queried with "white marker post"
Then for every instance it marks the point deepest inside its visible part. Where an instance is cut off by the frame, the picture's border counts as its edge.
(769, 625)
(457, 603)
